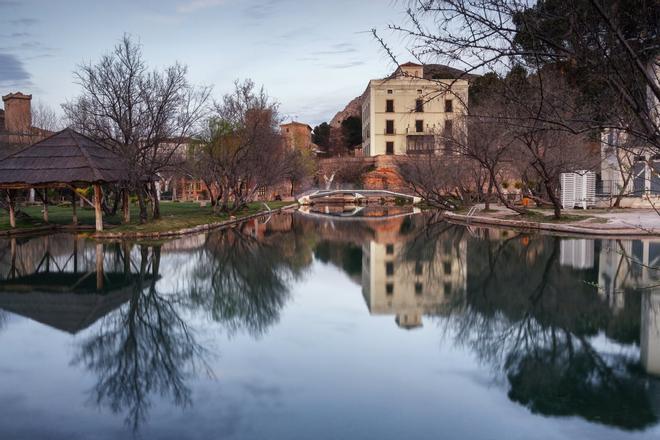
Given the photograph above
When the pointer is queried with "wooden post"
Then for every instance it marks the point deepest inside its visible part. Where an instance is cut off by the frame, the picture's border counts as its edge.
(12, 208)
(12, 272)
(125, 207)
(74, 207)
(99, 266)
(97, 207)
(45, 200)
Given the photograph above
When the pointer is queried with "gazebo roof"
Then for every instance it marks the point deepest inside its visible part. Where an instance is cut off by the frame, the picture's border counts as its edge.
(65, 157)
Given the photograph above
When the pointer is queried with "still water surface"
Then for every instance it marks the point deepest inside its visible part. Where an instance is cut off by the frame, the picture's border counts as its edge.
(306, 326)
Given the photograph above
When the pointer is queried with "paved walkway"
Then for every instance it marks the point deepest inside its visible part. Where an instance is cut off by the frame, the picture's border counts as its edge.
(616, 222)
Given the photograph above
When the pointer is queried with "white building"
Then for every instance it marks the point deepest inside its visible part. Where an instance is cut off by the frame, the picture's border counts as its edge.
(628, 166)
(414, 110)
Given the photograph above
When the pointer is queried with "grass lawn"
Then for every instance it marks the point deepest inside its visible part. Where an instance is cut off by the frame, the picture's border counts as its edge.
(174, 216)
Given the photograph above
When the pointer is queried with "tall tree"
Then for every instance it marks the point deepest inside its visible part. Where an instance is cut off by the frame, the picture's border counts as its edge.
(242, 149)
(321, 135)
(352, 128)
(144, 115)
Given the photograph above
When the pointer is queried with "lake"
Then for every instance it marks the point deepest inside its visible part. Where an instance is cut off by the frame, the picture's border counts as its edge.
(330, 325)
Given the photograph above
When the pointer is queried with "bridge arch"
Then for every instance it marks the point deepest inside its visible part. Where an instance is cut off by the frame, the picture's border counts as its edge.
(358, 194)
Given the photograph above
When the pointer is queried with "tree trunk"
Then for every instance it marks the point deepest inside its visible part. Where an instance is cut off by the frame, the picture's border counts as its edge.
(488, 194)
(142, 205)
(98, 211)
(556, 203)
(11, 203)
(156, 201)
(125, 206)
(622, 192)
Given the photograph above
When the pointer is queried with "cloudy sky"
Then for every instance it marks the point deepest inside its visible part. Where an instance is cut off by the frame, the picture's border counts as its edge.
(313, 55)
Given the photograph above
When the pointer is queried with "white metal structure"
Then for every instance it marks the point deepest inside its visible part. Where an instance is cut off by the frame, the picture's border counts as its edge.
(578, 189)
(307, 198)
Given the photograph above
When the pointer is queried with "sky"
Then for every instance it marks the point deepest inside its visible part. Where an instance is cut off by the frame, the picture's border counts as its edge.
(312, 56)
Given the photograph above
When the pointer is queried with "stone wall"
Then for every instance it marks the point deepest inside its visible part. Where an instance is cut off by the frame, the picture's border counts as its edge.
(377, 172)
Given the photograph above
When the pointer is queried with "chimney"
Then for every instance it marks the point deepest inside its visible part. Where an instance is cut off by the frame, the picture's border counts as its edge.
(412, 70)
(18, 113)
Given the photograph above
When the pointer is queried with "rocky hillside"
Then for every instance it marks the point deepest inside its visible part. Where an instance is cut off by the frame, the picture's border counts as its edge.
(354, 108)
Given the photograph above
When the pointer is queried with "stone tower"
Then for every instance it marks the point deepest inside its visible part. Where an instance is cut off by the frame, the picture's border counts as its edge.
(18, 113)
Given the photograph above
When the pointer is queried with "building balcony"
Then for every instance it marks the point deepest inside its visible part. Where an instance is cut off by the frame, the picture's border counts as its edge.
(420, 144)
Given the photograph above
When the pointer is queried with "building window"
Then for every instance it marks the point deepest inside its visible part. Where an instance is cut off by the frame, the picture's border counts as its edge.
(419, 126)
(447, 288)
(449, 105)
(419, 268)
(262, 193)
(419, 105)
(389, 127)
(419, 288)
(419, 91)
(389, 92)
(389, 249)
(389, 148)
(389, 269)
(389, 289)
(446, 267)
(389, 106)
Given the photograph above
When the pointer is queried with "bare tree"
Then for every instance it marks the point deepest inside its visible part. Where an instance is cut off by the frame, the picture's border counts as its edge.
(611, 56)
(242, 150)
(435, 178)
(145, 116)
(44, 117)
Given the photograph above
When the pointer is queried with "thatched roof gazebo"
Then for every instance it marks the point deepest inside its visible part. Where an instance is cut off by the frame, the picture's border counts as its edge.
(66, 159)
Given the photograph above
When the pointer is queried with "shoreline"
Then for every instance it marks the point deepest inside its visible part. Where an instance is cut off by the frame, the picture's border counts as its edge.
(109, 235)
(566, 229)
(574, 229)
(188, 231)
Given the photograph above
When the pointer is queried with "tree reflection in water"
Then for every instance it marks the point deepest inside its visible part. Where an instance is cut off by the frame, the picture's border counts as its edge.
(534, 320)
(148, 348)
(144, 348)
(244, 282)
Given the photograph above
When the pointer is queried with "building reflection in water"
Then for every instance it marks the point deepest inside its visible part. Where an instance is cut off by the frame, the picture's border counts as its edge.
(577, 253)
(407, 276)
(634, 266)
(62, 282)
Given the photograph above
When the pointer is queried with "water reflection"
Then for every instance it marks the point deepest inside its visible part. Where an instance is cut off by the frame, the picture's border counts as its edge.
(539, 326)
(569, 327)
(411, 271)
(244, 275)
